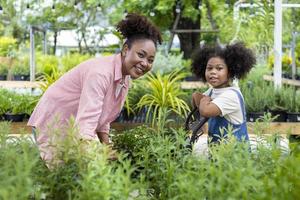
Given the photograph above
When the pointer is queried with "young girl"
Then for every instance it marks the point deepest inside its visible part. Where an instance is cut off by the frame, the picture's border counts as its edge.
(223, 103)
(94, 92)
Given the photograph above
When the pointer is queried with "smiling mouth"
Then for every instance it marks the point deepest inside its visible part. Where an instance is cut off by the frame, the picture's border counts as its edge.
(140, 70)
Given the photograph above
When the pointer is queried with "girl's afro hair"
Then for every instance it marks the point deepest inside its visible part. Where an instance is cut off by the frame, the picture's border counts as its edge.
(237, 57)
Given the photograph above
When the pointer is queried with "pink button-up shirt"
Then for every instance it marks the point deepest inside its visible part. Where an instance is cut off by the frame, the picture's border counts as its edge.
(91, 92)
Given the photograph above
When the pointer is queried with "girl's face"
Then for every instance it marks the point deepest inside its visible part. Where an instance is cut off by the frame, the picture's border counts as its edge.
(138, 60)
(216, 73)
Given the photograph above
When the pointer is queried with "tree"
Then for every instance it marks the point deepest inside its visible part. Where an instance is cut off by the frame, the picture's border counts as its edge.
(163, 13)
(10, 23)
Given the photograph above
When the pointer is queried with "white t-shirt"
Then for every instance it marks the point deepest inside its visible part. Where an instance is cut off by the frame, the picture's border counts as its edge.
(228, 102)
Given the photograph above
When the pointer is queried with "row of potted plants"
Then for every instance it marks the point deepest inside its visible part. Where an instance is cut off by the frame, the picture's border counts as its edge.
(14, 106)
(261, 97)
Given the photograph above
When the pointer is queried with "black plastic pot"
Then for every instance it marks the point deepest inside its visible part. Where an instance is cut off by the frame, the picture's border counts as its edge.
(3, 77)
(293, 117)
(139, 117)
(281, 115)
(253, 116)
(21, 77)
(191, 78)
(14, 117)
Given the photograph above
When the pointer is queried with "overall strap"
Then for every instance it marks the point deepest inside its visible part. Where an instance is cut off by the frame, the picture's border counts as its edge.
(242, 103)
(210, 93)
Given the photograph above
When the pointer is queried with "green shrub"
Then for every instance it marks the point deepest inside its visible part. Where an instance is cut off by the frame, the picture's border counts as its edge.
(165, 64)
(163, 97)
(18, 156)
(157, 166)
(7, 46)
(46, 64)
(3, 69)
(14, 103)
(289, 98)
(71, 60)
(20, 68)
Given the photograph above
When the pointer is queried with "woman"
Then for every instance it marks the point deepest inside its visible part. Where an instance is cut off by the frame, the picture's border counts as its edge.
(94, 91)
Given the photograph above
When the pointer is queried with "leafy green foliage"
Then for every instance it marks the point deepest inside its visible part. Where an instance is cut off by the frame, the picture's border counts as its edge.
(289, 98)
(165, 64)
(46, 64)
(20, 68)
(163, 97)
(71, 60)
(3, 69)
(150, 165)
(48, 79)
(14, 103)
(17, 158)
(7, 45)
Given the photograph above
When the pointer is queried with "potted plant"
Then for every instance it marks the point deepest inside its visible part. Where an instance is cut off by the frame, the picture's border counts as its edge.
(257, 100)
(46, 64)
(4, 103)
(3, 71)
(20, 71)
(278, 109)
(16, 107)
(163, 97)
(291, 100)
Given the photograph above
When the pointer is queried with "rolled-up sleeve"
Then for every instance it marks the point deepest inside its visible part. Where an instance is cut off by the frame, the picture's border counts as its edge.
(90, 107)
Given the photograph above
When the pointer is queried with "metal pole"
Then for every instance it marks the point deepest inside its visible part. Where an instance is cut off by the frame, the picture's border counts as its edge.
(293, 45)
(32, 55)
(44, 42)
(278, 44)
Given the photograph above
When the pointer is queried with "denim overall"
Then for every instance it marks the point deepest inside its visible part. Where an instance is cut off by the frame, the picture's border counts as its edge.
(215, 124)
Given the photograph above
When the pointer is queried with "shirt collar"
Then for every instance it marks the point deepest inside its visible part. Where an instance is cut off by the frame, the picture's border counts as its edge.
(118, 71)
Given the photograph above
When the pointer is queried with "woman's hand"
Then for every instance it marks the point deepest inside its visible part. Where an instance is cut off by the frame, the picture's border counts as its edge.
(196, 98)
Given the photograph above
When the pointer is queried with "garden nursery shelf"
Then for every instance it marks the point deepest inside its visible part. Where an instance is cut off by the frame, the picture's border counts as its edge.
(291, 128)
(36, 84)
(284, 80)
(20, 84)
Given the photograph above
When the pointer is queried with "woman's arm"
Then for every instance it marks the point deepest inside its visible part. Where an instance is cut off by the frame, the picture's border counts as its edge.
(103, 137)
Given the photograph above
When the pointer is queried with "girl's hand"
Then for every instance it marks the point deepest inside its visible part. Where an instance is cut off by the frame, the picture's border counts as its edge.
(196, 98)
(205, 100)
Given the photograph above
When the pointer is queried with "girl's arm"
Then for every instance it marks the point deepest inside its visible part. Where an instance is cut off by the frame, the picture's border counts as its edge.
(208, 108)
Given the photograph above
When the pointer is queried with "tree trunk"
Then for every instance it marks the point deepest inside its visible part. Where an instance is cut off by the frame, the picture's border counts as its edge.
(210, 18)
(189, 41)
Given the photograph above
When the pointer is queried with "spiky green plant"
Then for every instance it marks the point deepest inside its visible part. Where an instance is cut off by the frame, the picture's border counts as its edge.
(163, 97)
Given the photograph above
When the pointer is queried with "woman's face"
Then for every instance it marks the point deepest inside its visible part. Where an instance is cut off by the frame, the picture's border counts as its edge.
(216, 73)
(138, 60)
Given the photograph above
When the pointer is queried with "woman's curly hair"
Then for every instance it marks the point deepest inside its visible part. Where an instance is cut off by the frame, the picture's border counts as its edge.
(237, 57)
(136, 26)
